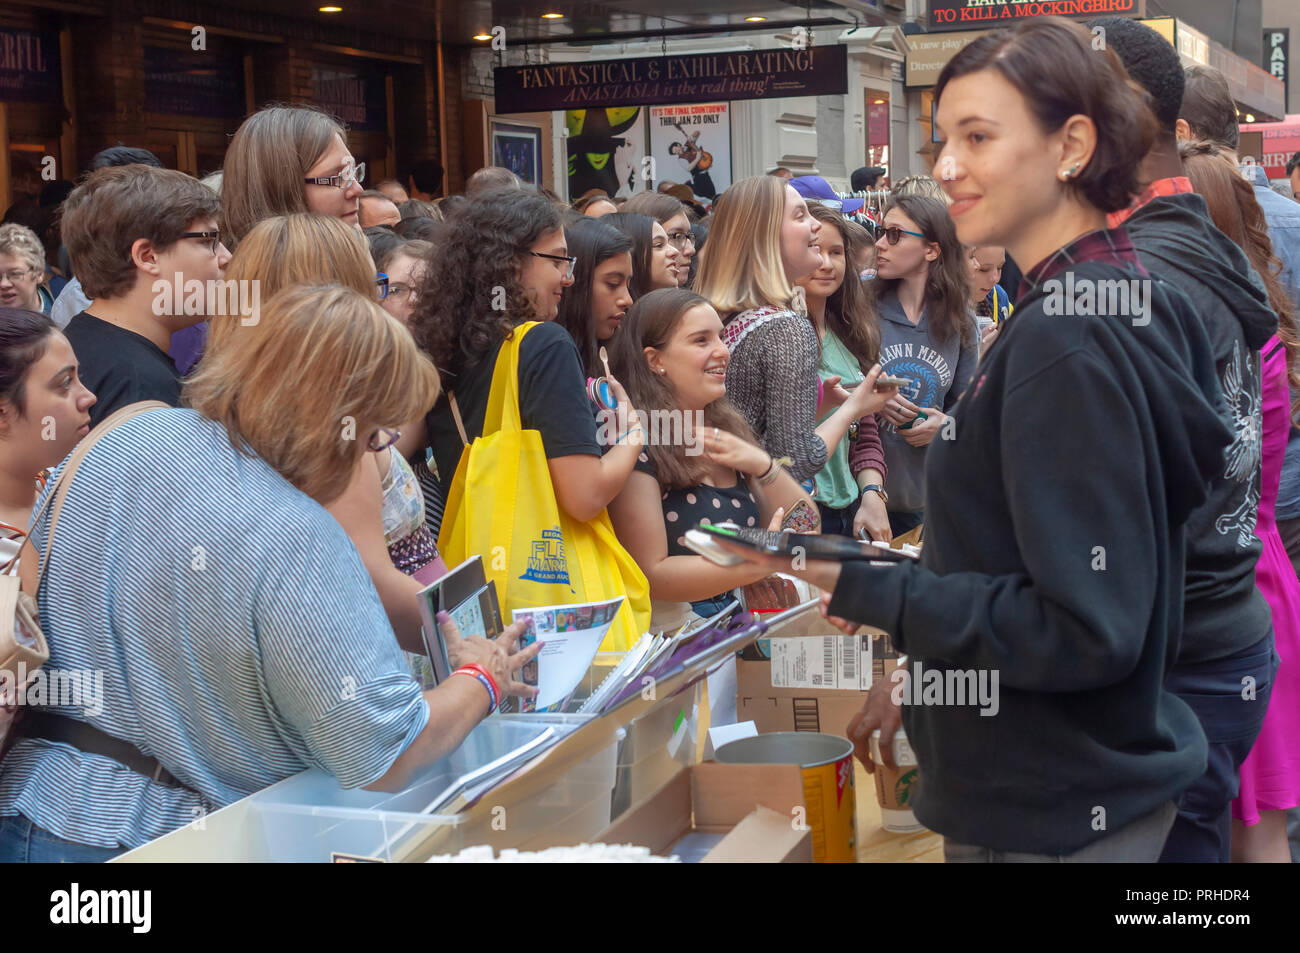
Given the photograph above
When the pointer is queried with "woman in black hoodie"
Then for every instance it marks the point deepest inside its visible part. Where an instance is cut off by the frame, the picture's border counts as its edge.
(1054, 552)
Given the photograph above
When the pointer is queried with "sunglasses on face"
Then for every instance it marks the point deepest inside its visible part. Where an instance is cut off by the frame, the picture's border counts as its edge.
(893, 234)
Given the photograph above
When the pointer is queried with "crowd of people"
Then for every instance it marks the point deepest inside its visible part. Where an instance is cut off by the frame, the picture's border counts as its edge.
(1109, 500)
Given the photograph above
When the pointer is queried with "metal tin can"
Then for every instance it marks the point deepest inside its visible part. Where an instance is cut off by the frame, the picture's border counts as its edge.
(829, 795)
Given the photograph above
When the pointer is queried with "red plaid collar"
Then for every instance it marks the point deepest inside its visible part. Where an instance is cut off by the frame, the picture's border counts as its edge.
(1174, 185)
(1111, 246)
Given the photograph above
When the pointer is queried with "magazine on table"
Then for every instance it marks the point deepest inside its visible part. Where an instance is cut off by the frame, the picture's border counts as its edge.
(572, 635)
(649, 655)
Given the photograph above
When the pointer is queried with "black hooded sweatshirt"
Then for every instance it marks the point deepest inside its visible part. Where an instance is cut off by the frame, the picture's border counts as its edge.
(1054, 556)
(1223, 610)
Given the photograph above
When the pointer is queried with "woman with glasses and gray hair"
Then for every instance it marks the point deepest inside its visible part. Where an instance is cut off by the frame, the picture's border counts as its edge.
(22, 270)
(287, 159)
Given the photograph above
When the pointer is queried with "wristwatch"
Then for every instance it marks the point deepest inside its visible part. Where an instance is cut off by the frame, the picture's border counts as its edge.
(853, 430)
(876, 487)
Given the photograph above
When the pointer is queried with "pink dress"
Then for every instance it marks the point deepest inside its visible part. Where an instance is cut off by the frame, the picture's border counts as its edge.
(1270, 775)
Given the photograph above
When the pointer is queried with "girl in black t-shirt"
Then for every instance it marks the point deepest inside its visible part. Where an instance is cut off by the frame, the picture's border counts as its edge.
(701, 462)
(500, 261)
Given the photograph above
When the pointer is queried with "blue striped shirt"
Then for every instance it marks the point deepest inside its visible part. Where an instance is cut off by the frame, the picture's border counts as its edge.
(240, 638)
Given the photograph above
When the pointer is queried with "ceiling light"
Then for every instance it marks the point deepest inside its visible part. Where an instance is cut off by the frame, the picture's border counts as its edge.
(878, 102)
(331, 9)
(1250, 117)
(482, 36)
(755, 19)
(552, 16)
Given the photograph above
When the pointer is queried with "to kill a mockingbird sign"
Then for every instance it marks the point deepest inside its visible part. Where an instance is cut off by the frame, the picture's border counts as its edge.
(974, 14)
(662, 80)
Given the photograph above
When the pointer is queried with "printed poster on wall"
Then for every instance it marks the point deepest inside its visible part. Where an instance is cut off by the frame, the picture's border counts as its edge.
(605, 149)
(691, 145)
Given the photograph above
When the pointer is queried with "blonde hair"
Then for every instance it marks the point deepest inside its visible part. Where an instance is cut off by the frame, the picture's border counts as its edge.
(920, 185)
(309, 383)
(740, 265)
(268, 158)
(291, 250)
(21, 242)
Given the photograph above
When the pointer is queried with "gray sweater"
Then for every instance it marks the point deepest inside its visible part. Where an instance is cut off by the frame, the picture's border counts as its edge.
(940, 372)
(772, 380)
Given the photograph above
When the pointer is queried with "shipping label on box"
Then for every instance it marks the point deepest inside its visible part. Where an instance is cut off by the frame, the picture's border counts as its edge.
(828, 661)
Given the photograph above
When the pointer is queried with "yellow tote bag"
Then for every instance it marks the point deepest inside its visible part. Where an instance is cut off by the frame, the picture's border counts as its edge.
(502, 506)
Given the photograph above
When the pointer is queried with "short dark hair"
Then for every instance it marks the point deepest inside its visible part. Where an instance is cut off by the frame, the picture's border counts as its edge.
(1151, 61)
(114, 207)
(123, 155)
(1293, 163)
(865, 178)
(420, 227)
(24, 336)
(427, 175)
(1051, 62)
(1208, 107)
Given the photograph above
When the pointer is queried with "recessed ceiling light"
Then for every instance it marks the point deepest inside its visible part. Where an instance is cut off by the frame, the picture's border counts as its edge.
(552, 16)
(482, 36)
(331, 9)
(755, 19)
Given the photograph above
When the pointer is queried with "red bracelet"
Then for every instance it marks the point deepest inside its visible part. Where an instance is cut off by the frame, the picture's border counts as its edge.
(475, 667)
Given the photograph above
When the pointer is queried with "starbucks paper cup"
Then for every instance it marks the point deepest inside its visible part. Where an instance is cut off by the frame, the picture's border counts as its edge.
(895, 786)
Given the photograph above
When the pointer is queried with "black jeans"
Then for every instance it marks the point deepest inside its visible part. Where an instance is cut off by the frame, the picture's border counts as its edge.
(901, 522)
(838, 521)
(1202, 831)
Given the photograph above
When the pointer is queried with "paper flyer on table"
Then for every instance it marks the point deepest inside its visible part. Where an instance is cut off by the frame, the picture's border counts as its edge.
(572, 635)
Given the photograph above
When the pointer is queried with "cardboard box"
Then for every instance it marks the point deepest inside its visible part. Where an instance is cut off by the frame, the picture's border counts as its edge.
(791, 709)
(751, 805)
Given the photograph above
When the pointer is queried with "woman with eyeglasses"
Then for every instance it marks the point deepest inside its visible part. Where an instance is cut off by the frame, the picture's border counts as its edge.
(383, 508)
(501, 261)
(399, 263)
(671, 214)
(656, 262)
(22, 270)
(921, 296)
(849, 491)
(593, 308)
(287, 159)
(762, 242)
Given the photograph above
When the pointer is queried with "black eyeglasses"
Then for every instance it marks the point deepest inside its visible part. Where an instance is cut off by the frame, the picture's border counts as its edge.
(893, 234)
(572, 261)
(381, 284)
(211, 239)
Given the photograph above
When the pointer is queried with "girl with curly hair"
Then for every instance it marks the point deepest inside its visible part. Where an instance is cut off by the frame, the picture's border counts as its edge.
(502, 261)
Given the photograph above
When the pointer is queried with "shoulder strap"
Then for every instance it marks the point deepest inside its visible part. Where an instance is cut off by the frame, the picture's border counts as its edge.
(60, 490)
(455, 415)
(503, 401)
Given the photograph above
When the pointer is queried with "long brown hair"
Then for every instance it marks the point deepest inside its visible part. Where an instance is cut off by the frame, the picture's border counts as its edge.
(947, 282)
(267, 160)
(848, 310)
(1236, 212)
(651, 322)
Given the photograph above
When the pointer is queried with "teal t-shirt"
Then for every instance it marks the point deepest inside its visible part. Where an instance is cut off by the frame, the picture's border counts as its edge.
(836, 487)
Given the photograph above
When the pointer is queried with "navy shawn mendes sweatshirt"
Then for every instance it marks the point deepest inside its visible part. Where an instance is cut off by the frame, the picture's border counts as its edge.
(1083, 442)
